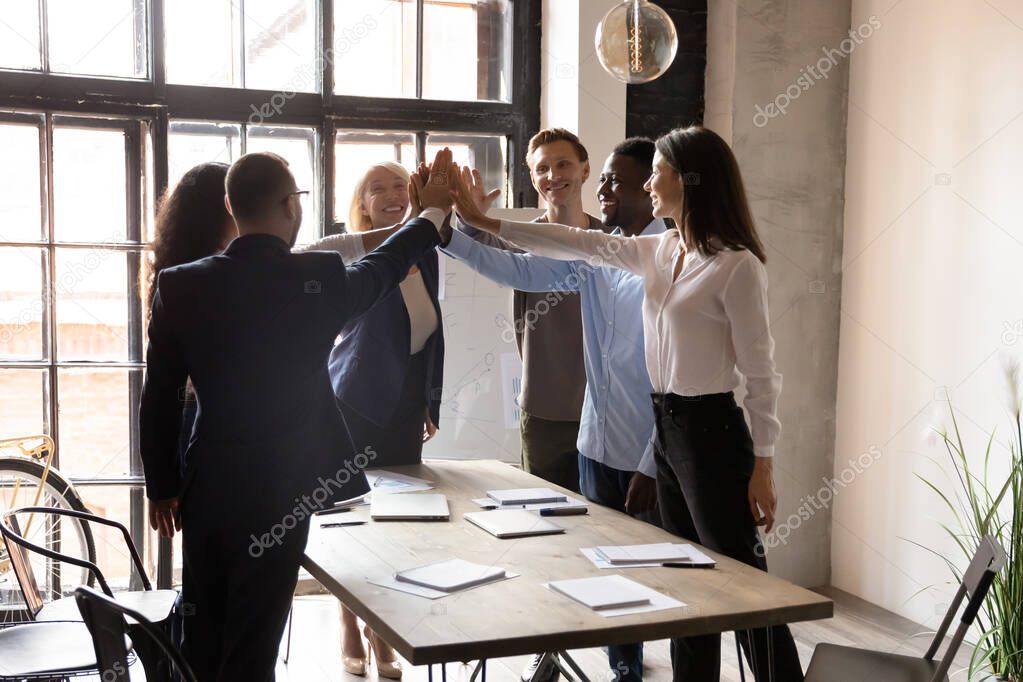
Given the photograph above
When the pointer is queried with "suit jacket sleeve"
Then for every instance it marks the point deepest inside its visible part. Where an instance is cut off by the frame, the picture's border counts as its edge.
(382, 269)
(161, 403)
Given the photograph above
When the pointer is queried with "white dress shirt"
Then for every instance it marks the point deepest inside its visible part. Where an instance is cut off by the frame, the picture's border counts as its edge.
(703, 331)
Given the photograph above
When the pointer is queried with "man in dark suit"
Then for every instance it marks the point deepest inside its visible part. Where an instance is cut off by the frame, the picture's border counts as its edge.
(252, 328)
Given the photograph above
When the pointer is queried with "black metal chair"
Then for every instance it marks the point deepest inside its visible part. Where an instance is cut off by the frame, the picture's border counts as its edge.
(156, 606)
(833, 663)
(107, 620)
(47, 650)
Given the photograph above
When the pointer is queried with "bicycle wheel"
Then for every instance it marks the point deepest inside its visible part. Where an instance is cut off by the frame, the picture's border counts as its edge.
(20, 480)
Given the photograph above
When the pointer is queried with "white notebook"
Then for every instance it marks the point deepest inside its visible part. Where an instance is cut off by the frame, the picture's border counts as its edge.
(409, 507)
(451, 575)
(525, 496)
(603, 592)
(644, 554)
(512, 523)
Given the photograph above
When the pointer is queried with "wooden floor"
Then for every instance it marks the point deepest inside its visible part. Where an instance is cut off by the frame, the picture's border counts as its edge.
(315, 652)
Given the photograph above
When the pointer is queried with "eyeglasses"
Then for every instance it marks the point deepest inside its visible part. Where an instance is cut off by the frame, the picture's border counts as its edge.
(303, 194)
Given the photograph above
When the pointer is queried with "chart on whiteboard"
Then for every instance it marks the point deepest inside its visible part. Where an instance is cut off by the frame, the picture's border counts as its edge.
(479, 414)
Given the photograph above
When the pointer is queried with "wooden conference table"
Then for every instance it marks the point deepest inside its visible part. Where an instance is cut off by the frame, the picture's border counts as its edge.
(520, 616)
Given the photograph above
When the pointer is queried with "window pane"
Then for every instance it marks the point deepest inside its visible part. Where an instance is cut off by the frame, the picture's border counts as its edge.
(19, 35)
(190, 144)
(89, 188)
(467, 49)
(202, 39)
(20, 184)
(298, 147)
(483, 152)
(95, 441)
(104, 38)
(375, 48)
(92, 304)
(112, 557)
(23, 402)
(280, 45)
(22, 275)
(355, 152)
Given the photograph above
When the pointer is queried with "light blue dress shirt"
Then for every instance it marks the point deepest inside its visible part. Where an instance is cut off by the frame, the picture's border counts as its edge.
(617, 423)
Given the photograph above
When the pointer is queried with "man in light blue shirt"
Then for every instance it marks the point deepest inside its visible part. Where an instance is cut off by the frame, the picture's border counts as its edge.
(615, 443)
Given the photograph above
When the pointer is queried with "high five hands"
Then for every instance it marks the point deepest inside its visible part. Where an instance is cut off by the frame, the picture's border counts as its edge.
(461, 186)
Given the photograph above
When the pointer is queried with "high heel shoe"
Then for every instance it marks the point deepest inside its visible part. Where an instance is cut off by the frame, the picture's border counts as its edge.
(389, 669)
(353, 665)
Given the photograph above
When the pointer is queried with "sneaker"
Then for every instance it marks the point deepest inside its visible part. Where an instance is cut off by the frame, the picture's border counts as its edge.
(541, 669)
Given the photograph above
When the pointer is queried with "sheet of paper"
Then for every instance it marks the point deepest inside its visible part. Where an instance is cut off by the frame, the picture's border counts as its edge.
(511, 386)
(658, 602)
(391, 583)
(383, 481)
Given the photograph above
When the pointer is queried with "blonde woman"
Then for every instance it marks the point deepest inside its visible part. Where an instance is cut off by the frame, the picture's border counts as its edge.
(387, 369)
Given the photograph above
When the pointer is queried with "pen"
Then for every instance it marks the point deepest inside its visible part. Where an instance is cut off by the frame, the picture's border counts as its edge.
(342, 524)
(675, 564)
(563, 511)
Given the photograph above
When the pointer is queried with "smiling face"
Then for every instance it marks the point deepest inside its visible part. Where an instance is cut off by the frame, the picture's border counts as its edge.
(384, 198)
(665, 188)
(558, 174)
(623, 201)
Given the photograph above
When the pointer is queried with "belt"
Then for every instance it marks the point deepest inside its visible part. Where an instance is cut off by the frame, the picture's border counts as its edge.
(672, 403)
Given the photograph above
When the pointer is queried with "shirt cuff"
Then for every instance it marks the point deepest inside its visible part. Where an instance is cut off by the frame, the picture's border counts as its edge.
(763, 450)
(435, 216)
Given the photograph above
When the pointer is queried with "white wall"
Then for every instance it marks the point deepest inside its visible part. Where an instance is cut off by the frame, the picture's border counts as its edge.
(931, 280)
(792, 166)
(577, 93)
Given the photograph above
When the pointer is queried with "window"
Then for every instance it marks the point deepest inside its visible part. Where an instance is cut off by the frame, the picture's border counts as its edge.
(103, 105)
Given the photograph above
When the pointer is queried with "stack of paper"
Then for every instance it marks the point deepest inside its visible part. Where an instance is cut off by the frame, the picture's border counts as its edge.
(451, 575)
(512, 523)
(515, 496)
(604, 592)
(382, 481)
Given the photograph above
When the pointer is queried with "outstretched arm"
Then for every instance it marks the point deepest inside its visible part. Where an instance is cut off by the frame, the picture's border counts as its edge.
(352, 245)
(561, 242)
(522, 271)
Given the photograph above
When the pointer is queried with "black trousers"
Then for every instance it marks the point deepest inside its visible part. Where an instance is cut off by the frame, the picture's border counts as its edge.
(400, 440)
(704, 460)
(237, 583)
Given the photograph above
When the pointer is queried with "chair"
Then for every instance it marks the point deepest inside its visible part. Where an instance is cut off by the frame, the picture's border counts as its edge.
(106, 620)
(47, 650)
(833, 663)
(155, 606)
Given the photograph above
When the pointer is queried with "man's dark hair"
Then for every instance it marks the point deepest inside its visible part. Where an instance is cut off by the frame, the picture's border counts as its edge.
(639, 148)
(255, 182)
(551, 135)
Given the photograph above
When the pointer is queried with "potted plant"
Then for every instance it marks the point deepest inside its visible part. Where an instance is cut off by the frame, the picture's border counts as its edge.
(983, 504)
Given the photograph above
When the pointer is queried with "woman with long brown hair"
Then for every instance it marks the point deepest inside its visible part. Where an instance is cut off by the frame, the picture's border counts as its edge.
(706, 327)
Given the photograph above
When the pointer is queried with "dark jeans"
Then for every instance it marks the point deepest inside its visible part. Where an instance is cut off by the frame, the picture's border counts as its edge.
(704, 463)
(548, 450)
(608, 486)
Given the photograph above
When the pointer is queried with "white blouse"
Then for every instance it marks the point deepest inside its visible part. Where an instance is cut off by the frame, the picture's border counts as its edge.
(422, 316)
(702, 329)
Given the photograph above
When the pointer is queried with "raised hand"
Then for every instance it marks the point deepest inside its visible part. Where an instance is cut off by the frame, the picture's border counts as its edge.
(467, 208)
(435, 190)
(473, 181)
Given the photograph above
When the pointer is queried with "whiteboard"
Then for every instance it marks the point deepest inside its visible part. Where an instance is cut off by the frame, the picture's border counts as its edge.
(482, 373)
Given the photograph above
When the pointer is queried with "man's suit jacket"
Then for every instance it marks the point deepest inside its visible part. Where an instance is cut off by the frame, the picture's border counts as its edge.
(253, 328)
(368, 366)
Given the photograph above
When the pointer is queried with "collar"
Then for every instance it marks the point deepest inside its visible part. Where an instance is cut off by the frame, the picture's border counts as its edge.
(258, 241)
(656, 226)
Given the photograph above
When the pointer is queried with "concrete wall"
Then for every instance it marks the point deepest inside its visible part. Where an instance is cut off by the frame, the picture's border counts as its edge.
(793, 165)
(931, 299)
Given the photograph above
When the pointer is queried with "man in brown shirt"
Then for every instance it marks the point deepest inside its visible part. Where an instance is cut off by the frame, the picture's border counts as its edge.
(548, 326)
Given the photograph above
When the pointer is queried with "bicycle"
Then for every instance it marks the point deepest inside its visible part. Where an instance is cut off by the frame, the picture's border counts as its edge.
(28, 478)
